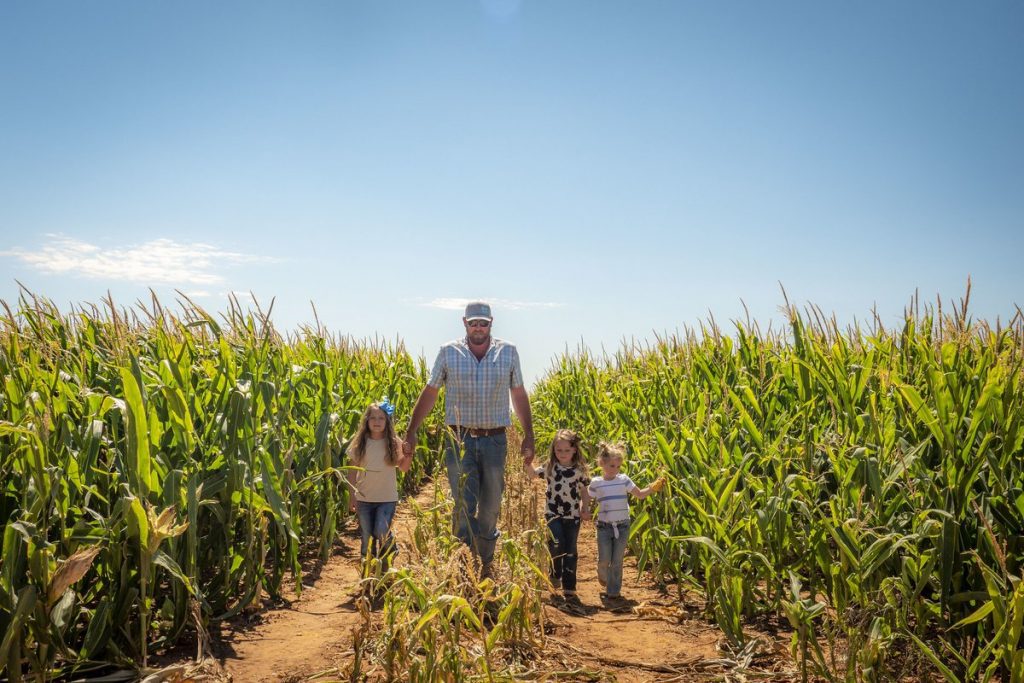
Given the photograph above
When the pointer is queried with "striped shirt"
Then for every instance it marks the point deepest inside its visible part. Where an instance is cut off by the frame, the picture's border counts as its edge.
(476, 392)
(612, 496)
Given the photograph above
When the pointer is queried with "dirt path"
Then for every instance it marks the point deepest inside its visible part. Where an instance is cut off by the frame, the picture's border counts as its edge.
(648, 636)
(643, 637)
(303, 638)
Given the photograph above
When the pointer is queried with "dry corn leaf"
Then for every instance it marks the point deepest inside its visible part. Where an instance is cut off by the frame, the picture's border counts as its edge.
(73, 569)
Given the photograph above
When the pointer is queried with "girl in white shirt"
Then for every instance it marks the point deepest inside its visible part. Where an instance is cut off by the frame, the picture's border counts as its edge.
(376, 450)
(611, 491)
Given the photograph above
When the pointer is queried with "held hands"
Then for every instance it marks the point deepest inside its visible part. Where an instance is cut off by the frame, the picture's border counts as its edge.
(405, 454)
(527, 450)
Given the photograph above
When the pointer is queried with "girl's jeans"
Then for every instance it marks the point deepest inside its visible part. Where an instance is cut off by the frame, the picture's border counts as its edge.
(375, 528)
(476, 474)
(562, 546)
(610, 551)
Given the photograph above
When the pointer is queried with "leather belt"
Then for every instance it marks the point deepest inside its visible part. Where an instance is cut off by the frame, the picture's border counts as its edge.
(477, 431)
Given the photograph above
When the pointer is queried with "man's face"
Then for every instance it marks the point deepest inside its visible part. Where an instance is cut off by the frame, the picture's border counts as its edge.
(477, 330)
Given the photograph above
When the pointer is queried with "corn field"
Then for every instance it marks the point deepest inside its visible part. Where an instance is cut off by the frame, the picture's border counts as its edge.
(866, 485)
(161, 471)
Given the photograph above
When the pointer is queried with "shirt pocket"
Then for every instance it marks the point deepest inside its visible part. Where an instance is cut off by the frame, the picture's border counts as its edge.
(461, 376)
(499, 374)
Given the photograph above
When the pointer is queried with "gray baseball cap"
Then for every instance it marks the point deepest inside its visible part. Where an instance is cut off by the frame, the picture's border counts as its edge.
(478, 310)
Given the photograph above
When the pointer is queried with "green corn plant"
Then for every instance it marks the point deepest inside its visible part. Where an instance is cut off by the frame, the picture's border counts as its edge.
(802, 613)
(108, 415)
(874, 463)
(150, 530)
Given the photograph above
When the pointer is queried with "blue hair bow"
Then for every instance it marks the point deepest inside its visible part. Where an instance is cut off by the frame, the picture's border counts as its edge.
(386, 406)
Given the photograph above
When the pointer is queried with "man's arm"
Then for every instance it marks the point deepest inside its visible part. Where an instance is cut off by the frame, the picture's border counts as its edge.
(521, 404)
(424, 404)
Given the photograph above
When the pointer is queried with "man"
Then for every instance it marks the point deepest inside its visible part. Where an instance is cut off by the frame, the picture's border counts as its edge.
(479, 374)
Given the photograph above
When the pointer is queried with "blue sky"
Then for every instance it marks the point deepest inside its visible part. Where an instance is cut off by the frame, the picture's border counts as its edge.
(598, 170)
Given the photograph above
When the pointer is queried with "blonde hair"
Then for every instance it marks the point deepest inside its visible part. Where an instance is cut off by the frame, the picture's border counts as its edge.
(578, 461)
(358, 448)
(610, 451)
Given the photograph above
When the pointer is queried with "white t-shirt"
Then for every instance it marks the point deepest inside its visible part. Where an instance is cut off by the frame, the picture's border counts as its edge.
(612, 496)
(379, 482)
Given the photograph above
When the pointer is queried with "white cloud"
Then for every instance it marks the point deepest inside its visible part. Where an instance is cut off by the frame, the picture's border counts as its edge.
(160, 261)
(456, 304)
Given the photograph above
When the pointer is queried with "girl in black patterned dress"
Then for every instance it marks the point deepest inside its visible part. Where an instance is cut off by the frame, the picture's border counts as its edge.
(567, 504)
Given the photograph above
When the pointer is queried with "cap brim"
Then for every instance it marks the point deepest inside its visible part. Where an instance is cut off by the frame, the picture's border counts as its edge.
(479, 317)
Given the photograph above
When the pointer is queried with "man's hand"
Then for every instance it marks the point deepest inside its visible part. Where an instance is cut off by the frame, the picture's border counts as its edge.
(527, 450)
(585, 514)
(405, 463)
(351, 504)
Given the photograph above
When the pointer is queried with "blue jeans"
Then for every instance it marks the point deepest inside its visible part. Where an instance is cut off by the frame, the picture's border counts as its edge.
(476, 475)
(610, 551)
(375, 528)
(562, 547)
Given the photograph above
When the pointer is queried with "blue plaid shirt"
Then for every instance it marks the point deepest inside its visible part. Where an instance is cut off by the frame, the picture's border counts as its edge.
(476, 392)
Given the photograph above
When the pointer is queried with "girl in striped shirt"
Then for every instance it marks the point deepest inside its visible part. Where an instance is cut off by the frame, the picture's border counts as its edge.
(611, 491)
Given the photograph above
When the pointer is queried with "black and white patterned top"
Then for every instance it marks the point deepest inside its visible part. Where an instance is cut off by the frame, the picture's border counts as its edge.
(563, 491)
